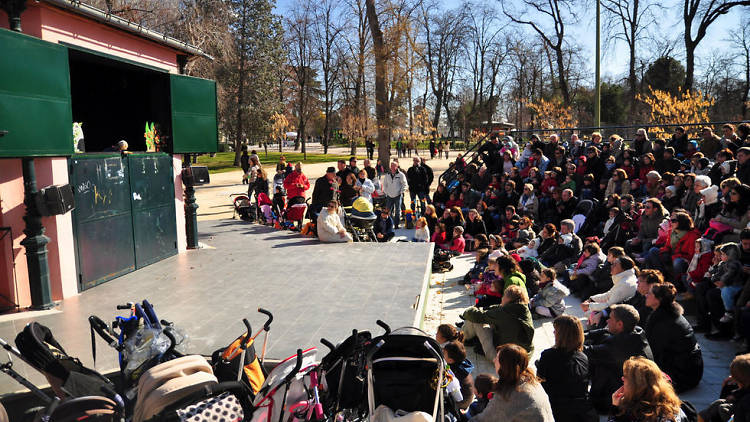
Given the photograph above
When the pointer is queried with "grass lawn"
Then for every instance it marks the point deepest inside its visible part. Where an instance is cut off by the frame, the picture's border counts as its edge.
(224, 161)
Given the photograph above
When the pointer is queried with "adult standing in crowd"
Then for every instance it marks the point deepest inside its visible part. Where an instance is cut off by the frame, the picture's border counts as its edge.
(325, 190)
(418, 181)
(394, 187)
(296, 183)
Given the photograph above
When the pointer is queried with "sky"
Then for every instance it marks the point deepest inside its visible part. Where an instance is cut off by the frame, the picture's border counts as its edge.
(615, 57)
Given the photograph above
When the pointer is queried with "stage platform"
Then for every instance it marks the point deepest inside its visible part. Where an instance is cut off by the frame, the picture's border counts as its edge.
(314, 290)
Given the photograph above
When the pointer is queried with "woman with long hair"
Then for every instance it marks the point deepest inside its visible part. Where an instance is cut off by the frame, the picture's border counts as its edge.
(519, 395)
(618, 183)
(671, 337)
(564, 369)
(645, 395)
(454, 218)
(430, 213)
(736, 212)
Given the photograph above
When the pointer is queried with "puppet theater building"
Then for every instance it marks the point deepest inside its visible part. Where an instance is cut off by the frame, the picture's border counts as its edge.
(63, 62)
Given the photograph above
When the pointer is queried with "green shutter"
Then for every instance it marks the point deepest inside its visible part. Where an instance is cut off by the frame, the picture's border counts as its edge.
(34, 97)
(194, 126)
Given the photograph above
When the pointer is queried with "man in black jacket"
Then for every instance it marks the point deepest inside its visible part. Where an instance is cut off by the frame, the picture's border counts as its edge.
(417, 178)
(668, 163)
(743, 165)
(323, 191)
(607, 349)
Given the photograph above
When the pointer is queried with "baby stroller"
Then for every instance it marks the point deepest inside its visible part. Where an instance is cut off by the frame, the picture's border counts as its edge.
(290, 392)
(239, 361)
(142, 341)
(185, 389)
(80, 393)
(243, 207)
(360, 220)
(295, 211)
(406, 371)
(586, 208)
(344, 375)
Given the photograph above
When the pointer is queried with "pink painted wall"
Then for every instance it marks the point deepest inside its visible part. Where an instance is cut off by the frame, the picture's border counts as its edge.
(179, 203)
(50, 171)
(56, 25)
(11, 215)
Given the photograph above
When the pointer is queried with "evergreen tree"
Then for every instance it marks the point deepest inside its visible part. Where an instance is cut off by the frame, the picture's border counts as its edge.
(259, 55)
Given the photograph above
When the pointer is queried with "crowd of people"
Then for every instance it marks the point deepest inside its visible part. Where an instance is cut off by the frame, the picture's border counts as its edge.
(631, 230)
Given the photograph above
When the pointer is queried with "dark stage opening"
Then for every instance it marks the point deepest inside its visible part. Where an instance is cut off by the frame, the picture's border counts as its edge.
(115, 99)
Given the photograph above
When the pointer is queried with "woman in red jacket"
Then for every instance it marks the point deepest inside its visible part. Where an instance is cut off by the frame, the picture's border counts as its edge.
(296, 184)
(674, 255)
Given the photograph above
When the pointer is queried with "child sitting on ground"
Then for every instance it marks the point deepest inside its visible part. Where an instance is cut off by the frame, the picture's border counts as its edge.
(447, 333)
(421, 232)
(459, 244)
(484, 385)
(439, 236)
(455, 356)
(550, 301)
(530, 250)
(728, 278)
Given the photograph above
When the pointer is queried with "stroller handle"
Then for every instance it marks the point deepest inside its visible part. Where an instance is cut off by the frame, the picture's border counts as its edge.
(267, 325)
(327, 344)
(172, 342)
(126, 306)
(384, 326)
(296, 369)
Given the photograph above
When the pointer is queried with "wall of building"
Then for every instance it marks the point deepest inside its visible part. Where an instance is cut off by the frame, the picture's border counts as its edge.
(59, 229)
(56, 25)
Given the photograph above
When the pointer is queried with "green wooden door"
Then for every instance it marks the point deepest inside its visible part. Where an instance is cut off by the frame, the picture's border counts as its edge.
(194, 127)
(102, 219)
(153, 207)
(34, 97)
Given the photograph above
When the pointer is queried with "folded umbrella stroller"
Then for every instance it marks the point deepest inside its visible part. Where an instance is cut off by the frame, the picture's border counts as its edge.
(239, 361)
(81, 393)
(406, 372)
(290, 392)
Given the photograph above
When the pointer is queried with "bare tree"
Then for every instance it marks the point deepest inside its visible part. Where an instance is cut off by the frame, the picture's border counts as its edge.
(301, 56)
(382, 112)
(558, 12)
(443, 43)
(484, 55)
(327, 32)
(629, 22)
(706, 12)
(741, 41)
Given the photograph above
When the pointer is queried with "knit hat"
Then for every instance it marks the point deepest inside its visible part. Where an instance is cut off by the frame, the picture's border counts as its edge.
(672, 189)
(330, 170)
(710, 194)
(653, 173)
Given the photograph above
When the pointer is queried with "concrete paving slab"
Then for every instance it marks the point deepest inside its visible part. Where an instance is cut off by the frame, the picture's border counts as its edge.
(314, 290)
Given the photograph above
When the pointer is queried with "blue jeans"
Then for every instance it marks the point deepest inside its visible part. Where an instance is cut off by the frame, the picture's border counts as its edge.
(728, 295)
(394, 205)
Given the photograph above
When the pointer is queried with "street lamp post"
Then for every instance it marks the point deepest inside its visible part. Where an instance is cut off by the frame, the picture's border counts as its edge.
(597, 88)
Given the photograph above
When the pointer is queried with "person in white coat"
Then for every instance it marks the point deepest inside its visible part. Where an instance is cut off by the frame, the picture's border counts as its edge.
(364, 186)
(625, 282)
(330, 228)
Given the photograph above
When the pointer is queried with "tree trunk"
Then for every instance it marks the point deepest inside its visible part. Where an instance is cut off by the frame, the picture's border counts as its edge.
(240, 93)
(689, 63)
(561, 77)
(381, 90)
